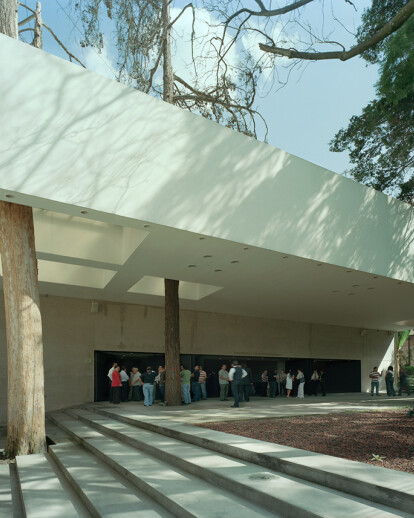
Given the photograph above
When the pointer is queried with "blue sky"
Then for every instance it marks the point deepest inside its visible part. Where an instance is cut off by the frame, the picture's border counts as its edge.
(303, 116)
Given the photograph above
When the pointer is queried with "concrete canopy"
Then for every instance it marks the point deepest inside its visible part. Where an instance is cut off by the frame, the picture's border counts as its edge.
(129, 190)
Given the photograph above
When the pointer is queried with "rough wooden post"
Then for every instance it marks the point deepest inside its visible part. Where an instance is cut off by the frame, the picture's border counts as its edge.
(172, 343)
(25, 404)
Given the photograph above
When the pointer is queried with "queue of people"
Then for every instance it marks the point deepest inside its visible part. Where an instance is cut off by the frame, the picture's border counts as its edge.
(197, 384)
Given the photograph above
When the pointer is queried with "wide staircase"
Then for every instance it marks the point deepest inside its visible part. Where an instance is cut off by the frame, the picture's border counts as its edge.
(112, 463)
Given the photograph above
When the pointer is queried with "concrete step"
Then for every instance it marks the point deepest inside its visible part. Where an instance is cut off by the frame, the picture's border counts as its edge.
(102, 491)
(270, 489)
(6, 502)
(182, 494)
(43, 494)
(380, 485)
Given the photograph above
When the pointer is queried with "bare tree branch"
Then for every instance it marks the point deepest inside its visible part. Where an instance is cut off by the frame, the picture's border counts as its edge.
(268, 13)
(26, 20)
(71, 56)
(390, 27)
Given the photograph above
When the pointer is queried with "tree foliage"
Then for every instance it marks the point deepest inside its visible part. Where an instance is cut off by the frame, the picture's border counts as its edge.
(380, 141)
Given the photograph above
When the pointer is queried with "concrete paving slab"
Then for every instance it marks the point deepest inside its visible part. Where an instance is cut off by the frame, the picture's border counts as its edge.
(102, 491)
(387, 487)
(43, 494)
(184, 494)
(269, 488)
(6, 503)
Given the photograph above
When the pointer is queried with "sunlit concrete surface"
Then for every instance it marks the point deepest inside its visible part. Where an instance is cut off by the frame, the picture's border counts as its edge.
(215, 410)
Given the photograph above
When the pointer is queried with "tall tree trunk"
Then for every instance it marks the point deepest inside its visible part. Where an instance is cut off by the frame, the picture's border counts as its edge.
(25, 405)
(172, 313)
(25, 386)
(8, 18)
(168, 75)
(37, 39)
(172, 343)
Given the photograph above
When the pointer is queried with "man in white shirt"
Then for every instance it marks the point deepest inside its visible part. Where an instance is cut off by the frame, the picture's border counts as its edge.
(236, 374)
(135, 384)
(111, 370)
(125, 384)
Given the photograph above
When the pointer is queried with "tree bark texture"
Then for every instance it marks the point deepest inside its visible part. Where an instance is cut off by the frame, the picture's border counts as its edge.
(172, 343)
(37, 39)
(8, 18)
(168, 74)
(25, 410)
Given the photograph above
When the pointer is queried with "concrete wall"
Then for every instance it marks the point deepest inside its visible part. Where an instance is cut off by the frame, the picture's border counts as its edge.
(72, 334)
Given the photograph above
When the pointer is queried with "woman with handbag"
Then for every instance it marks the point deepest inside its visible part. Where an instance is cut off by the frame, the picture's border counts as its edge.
(301, 377)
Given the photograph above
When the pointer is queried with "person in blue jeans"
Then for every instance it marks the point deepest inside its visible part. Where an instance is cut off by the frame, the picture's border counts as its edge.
(147, 381)
(375, 376)
(185, 385)
(195, 385)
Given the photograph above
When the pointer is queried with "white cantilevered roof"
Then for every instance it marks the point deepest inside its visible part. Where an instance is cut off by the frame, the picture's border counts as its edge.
(143, 190)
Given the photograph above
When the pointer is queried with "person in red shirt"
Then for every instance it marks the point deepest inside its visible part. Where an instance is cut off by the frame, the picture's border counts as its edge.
(116, 385)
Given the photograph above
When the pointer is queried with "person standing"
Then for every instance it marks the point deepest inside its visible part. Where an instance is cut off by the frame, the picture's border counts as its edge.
(264, 383)
(125, 385)
(202, 381)
(135, 384)
(289, 382)
(185, 385)
(301, 385)
(161, 384)
(389, 381)
(111, 370)
(375, 377)
(272, 383)
(247, 383)
(282, 383)
(322, 381)
(147, 381)
(195, 385)
(224, 383)
(403, 382)
(236, 374)
(116, 386)
(314, 383)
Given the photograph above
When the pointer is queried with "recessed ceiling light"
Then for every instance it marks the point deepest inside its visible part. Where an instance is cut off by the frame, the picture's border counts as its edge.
(191, 265)
(207, 256)
(218, 270)
(234, 262)
(9, 196)
(84, 212)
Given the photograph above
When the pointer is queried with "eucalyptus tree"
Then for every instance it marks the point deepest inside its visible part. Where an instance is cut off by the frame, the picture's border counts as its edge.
(25, 374)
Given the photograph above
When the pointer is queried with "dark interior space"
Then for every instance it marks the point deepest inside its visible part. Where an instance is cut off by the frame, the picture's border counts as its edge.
(340, 375)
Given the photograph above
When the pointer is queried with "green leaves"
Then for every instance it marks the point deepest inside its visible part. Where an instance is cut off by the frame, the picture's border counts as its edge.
(380, 141)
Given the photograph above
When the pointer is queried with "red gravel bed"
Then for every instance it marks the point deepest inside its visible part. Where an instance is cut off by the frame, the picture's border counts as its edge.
(354, 436)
